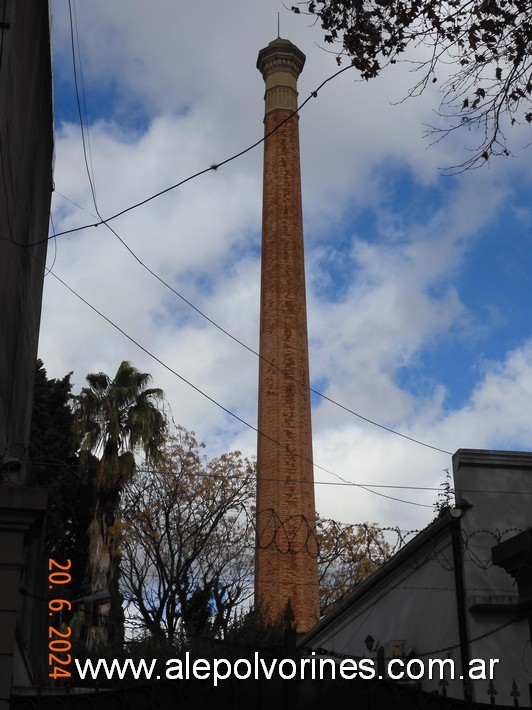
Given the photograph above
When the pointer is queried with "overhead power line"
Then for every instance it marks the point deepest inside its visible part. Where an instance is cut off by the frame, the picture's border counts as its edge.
(90, 177)
(212, 167)
(257, 354)
(185, 300)
(268, 362)
(221, 406)
(73, 467)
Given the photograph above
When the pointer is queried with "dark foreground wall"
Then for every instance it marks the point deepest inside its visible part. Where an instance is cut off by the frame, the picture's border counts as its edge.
(256, 695)
(26, 145)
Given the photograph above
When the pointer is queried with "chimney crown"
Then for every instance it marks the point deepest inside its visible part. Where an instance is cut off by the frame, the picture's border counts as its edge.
(280, 64)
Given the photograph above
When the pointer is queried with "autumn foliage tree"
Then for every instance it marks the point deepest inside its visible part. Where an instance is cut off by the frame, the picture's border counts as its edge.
(177, 533)
(479, 51)
(187, 542)
(348, 554)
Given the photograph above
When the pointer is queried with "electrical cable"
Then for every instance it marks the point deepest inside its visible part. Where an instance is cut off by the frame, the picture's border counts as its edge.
(167, 285)
(83, 93)
(191, 305)
(145, 469)
(434, 652)
(228, 476)
(56, 192)
(261, 357)
(221, 406)
(55, 244)
(268, 362)
(103, 221)
(80, 113)
(213, 167)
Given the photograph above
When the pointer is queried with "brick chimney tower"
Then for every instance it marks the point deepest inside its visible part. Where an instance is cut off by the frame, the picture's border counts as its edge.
(286, 570)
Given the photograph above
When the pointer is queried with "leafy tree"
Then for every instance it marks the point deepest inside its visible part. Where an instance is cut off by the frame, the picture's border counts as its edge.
(54, 465)
(187, 542)
(114, 418)
(188, 550)
(481, 47)
(348, 554)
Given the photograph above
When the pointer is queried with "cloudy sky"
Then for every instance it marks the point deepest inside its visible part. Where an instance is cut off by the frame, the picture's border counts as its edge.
(417, 282)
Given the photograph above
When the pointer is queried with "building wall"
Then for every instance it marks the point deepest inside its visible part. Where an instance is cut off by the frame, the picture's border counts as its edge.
(417, 595)
(498, 485)
(26, 149)
(414, 603)
(26, 145)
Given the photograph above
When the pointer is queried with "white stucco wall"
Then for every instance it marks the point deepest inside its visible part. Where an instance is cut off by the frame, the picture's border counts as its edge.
(413, 598)
(498, 485)
(415, 602)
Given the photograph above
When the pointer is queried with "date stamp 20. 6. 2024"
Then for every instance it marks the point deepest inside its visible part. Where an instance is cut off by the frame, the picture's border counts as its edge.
(59, 642)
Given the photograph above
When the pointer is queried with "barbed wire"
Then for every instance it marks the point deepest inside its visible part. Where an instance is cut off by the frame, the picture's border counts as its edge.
(291, 535)
(473, 549)
(295, 534)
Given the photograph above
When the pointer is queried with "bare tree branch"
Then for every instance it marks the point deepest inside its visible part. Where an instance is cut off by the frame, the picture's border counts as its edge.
(187, 541)
(482, 46)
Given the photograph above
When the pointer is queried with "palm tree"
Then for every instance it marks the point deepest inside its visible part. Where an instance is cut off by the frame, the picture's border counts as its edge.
(114, 419)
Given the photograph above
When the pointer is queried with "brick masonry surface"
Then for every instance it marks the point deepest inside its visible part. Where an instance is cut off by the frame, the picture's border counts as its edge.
(286, 566)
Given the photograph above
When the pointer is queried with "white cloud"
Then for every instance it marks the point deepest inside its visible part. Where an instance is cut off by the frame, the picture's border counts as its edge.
(496, 414)
(189, 69)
